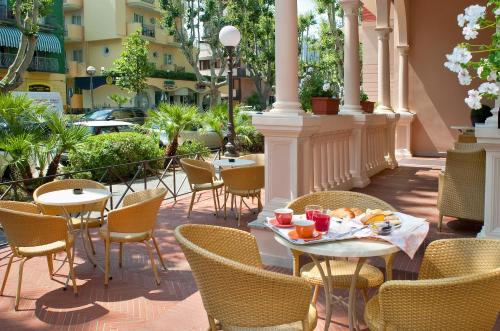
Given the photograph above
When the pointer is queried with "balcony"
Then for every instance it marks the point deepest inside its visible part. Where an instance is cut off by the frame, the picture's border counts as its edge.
(44, 64)
(71, 5)
(149, 31)
(150, 5)
(73, 33)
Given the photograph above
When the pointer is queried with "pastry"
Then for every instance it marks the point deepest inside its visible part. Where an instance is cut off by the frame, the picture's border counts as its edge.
(357, 211)
(372, 218)
(342, 213)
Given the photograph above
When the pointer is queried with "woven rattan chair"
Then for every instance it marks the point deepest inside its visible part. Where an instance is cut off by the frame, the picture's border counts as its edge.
(468, 146)
(201, 177)
(244, 182)
(93, 222)
(235, 290)
(134, 222)
(342, 271)
(467, 138)
(458, 289)
(259, 159)
(461, 186)
(31, 234)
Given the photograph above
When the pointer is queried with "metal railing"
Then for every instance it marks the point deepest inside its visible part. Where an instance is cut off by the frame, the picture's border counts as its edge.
(38, 63)
(147, 174)
(148, 30)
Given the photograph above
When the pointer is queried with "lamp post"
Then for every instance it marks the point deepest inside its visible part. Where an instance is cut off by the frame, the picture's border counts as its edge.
(91, 72)
(230, 36)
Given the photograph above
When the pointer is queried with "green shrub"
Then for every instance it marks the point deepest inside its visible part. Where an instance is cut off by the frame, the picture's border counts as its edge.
(250, 140)
(255, 102)
(113, 149)
(191, 147)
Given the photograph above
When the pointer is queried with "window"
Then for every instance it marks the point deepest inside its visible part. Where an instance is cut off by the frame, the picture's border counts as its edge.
(105, 51)
(167, 59)
(123, 114)
(152, 20)
(155, 54)
(76, 19)
(138, 18)
(78, 55)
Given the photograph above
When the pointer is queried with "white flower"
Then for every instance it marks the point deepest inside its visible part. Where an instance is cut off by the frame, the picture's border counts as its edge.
(307, 77)
(459, 56)
(474, 13)
(492, 77)
(453, 66)
(326, 87)
(480, 71)
(474, 99)
(488, 88)
(461, 20)
(470, 31)
(497, 11)
(464, 77)
(310, 69)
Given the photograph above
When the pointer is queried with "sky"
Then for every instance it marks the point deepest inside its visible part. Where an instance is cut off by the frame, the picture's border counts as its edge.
(305, 6)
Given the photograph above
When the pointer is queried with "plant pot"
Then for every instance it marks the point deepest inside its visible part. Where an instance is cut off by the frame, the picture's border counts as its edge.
(325, 106)
(368, 106)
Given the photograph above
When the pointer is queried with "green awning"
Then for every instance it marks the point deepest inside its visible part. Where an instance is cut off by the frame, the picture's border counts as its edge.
(47, 42)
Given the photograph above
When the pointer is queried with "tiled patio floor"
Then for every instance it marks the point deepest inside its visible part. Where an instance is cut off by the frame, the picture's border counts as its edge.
(134, 302)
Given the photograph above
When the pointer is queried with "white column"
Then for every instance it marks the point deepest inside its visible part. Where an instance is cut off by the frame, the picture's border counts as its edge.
(287, 66)
(403, 79)
(351, 58)
(384, 73)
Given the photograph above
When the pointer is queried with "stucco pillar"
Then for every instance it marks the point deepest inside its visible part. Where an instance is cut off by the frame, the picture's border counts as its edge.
(384, 73)
(287, 65)
(351, 58)
(403, 79)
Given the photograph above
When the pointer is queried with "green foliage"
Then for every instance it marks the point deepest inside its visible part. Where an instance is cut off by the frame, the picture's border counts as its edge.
(193, 147)
(255, 101)
(111, 149)
(119, 99)
(133, 66)
(363, 96)
(26, 9)
(249, 139)
(315, 83)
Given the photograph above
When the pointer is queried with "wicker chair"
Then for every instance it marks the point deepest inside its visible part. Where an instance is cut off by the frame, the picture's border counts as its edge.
(245, 182)
(235, 290)
(341, 271)
(93, 222)
(467, 138)
(461, 186)
(468, 146)
(201, 177)
(134, 222)
(259, 159)
(31, 234)
(458, 289)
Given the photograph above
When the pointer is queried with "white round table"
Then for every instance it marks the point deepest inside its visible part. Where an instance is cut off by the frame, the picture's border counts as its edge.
(67, 198)
(224, 163)
(350, 248)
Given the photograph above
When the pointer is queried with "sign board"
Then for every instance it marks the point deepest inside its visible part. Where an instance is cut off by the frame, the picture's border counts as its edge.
(51, 99)
(38, 88)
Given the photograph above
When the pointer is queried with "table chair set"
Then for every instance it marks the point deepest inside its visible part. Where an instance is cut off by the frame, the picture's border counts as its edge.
(51, 225)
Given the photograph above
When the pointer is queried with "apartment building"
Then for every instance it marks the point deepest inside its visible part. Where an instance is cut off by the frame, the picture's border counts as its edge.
(46, 72)
(94, 33)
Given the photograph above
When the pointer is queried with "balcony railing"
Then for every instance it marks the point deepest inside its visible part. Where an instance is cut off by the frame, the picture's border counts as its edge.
(148, 30)
(38, 63)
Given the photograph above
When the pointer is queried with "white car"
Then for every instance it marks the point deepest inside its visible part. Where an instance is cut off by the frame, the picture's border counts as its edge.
(98, 127)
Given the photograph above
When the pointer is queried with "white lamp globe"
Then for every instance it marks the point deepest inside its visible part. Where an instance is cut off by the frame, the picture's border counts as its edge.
(91, 70)
(229, 36)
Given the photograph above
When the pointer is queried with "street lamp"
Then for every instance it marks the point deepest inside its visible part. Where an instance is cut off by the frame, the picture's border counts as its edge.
(91, 72)
(230, 36)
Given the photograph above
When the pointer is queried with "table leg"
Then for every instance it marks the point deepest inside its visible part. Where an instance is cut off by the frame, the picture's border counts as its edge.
(351, 311)
(328, 291)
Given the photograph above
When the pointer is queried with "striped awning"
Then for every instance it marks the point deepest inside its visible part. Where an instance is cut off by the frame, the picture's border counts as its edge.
(47, 42)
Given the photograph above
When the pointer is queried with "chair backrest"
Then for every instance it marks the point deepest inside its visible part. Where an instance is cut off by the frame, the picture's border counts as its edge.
(26, 229)
(464, 184)
(467, 138)
(459, 303)
(198, 171)
(338, 199)
(234, 289)
(64, 185)
(260, 159)
(139, 212)
(25, 207)
(244, 178)
(468, 146)
(459, 257)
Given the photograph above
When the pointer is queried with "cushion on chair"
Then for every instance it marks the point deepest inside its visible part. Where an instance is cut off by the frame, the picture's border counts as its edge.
(122, 236)
(57, 246)
(372, 315)
(208, 186)
(312, 319)
(93, 222)
(342, 272)
(243, 192)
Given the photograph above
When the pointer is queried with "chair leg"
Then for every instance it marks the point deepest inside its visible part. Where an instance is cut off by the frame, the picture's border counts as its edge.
(6, 274)
(315, 295)
(215, 202)
(120, 263)
(90, 241)
(364, 292)
(19, 282)
(159, 254)
(106, 263)
(440, 224)
(71, 258)
(211, 322)
(191, 204)
(153, 264)
(218, 201)
(226, 196)
(259, 202)
(51, 265)
(296, 262)
(239, 214)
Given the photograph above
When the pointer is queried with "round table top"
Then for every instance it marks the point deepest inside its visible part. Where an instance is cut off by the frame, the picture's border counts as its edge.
(68, 198)
(344, 248)
(237, 163)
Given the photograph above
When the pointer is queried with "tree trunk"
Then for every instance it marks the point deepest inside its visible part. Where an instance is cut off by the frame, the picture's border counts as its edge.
(214, 96)
(171, 149)
(53, 166)
(13, 78)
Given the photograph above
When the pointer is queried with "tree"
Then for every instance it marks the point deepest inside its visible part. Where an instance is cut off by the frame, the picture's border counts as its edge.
(185, 19)
(27, 14)
(306, 21)
(132, 67)
(119, 99)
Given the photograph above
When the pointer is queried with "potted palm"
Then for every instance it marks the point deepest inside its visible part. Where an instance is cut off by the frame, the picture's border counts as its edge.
(367, 106)
(317, 94)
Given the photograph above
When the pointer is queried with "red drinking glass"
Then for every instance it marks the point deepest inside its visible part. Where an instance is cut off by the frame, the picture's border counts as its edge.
(321, 222)
(311, 210)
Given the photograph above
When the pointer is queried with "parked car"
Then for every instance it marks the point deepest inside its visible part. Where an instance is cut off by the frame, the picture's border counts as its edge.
(132, 115)
(99, 127)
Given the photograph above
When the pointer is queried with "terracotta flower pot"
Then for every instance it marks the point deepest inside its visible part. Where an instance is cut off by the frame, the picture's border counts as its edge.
(368, 106)
(325, 105)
